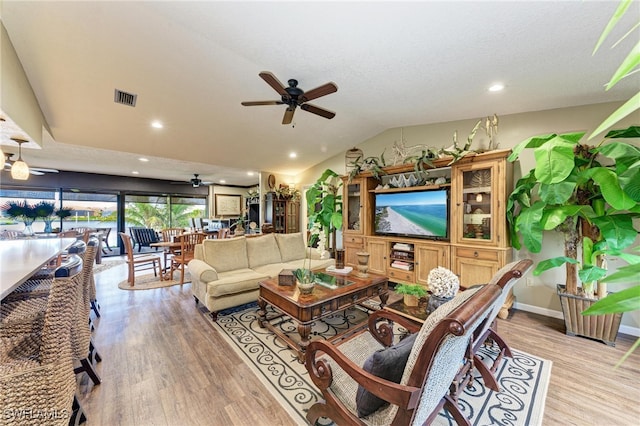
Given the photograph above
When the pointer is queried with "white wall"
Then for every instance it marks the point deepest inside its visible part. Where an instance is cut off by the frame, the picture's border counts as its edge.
(541, 296)
(16, 96)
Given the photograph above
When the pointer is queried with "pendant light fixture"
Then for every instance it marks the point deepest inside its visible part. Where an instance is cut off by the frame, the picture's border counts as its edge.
(19, 169)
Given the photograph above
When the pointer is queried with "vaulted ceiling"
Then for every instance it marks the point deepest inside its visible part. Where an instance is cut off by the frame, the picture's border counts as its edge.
(192, 63)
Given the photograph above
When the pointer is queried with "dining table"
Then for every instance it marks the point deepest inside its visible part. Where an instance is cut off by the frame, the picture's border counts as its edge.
(21, 258)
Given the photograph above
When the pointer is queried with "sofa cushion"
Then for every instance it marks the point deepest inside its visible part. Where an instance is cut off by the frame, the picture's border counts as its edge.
(306, 263)
(272, 269)
(226, 254)
(292, 246)
(262, 250)
(237, 281)
(388, 364)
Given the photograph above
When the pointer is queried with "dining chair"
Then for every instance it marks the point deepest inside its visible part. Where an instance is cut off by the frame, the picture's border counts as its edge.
(104, 235)
(71, 233)
(10, 235)
(168, 236)
(187, 248)
(223, 233)
(136, 263)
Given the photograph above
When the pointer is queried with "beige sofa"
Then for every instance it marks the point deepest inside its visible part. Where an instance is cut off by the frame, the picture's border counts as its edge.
(227, 272)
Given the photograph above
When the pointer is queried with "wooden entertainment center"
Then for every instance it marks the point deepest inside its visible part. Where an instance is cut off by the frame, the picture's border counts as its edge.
(478, 243)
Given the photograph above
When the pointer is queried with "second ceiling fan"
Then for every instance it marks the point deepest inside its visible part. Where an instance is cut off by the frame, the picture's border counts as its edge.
(294, 97)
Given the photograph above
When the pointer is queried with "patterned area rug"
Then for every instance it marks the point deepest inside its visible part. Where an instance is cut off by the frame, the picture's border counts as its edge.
(523, 380)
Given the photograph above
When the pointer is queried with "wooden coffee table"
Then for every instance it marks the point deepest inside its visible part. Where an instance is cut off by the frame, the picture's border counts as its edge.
(347, 291)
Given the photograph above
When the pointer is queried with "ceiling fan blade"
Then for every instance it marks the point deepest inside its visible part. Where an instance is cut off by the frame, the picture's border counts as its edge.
(254, 103)
(318, 111)
(323, 90)
(273, 82)
(43, 170)
(288, 115)
(36, 172)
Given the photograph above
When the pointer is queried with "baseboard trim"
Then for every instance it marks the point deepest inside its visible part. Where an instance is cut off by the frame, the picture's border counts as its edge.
(624, 329)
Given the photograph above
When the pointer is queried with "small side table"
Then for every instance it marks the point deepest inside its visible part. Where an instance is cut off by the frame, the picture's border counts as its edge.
(414, 313)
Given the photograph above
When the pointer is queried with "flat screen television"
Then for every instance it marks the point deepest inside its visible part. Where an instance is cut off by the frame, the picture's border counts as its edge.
(418, 214)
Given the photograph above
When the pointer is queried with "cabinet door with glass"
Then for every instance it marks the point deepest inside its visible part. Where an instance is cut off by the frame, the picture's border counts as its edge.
(480, 196)
(353, 207)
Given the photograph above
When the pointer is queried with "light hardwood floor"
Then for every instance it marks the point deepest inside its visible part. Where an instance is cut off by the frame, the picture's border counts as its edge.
(163, 364)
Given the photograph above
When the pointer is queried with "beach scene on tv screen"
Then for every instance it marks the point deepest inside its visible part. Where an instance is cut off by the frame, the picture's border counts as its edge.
(412, 213)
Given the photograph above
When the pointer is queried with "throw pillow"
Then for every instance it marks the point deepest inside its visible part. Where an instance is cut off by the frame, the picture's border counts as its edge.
(387, 364)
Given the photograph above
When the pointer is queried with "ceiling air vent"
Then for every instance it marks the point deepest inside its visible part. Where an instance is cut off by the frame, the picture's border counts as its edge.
(125, 98)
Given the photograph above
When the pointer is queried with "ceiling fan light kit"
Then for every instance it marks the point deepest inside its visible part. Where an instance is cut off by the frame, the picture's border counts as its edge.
(294, 97)
(195, 182)
(19, 169)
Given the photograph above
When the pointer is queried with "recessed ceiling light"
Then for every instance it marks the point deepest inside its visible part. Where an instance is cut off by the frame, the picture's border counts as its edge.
(144, 160)
(135, 172)
(156, 124)
(249, 173)
(223, 181)
(496, 87)
(293, 155)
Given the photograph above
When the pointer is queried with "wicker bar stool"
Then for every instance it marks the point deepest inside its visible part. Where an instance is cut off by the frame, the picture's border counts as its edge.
(25, 312)
(36, 369)
(81, 328)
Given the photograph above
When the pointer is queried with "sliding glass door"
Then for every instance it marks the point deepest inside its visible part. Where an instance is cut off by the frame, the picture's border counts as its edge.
(160, 212)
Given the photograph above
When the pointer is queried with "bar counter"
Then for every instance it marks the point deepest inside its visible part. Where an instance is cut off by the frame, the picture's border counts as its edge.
(20, 259)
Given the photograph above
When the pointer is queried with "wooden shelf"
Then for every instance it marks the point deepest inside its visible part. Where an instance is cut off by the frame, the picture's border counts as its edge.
(410, 188)
(475, 190)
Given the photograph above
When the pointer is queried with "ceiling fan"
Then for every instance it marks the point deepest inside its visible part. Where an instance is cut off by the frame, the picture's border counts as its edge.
(293, 97)
(195, 181)
(36, 171)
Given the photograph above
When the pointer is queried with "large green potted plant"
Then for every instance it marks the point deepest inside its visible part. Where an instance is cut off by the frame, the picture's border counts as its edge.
(589, 193)
(324, 209)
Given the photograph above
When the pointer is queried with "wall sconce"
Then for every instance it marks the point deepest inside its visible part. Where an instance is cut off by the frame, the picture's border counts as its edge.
(19, 169)
(479, 197)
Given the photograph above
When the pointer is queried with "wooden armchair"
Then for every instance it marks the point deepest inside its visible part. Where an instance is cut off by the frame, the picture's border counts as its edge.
(139, 262)
(505, 278)
(439, 350)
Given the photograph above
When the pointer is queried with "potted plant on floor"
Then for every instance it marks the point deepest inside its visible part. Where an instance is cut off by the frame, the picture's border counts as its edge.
(324, 209)
(411, 292)
(591, 195)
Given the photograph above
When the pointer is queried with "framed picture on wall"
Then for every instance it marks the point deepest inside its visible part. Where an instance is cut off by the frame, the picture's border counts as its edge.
(228, 205)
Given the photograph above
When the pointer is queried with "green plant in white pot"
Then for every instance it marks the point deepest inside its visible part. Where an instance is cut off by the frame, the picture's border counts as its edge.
(590, 194)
